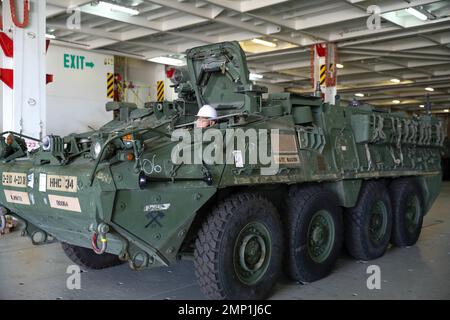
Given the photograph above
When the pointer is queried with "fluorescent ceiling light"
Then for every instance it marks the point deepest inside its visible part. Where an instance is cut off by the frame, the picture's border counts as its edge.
(117, 8)
(446, 110)
(422, 106)
(396, 101)
(395, 80)
(359, 94)
(255, 76)
(136, 3)
(50, 36)
(416, 13)
(168, 61)
(429, 89)
(339, 66)
(264, 43)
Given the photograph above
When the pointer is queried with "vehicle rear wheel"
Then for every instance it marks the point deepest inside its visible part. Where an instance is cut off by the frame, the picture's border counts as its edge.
(87, 258)
(314, 232)
(239, 249)
(368, 225)
(408, 211)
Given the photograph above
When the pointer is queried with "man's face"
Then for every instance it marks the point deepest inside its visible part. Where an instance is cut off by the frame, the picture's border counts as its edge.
(204, 122)
(9, 140)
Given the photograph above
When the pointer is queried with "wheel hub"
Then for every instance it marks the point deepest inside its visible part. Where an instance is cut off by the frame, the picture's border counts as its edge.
(252, 253)
(412, 214)
(378, 222)
(320, 236)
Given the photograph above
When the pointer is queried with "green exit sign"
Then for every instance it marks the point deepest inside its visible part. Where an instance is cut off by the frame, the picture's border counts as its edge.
(72, 61)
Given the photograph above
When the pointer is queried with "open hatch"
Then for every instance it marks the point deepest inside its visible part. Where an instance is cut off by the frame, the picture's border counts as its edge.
(220, 76)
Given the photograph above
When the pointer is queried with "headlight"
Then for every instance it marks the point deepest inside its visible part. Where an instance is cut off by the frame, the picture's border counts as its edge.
(96, 149)
(54, 144)
(47, 143)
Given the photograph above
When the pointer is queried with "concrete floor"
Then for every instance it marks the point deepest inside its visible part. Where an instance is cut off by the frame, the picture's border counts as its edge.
(419, 272)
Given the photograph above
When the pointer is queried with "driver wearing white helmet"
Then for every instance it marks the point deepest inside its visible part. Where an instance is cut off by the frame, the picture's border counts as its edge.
(206, 117)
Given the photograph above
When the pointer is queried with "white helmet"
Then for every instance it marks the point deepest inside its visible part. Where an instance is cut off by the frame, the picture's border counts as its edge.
(207, 112)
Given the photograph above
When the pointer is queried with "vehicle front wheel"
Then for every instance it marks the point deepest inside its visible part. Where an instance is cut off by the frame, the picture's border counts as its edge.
(238, 251)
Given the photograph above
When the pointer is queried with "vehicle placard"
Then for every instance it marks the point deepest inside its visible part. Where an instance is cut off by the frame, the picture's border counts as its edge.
(287, 159)
(64, 203)
(284, 143)
(17, 197)
(14, 179)
(42, 182)
(62, 183)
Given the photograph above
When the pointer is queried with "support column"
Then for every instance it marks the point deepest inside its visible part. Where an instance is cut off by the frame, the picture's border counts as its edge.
(323, 70)
(318, 68)
(24, 106)
(331, 74)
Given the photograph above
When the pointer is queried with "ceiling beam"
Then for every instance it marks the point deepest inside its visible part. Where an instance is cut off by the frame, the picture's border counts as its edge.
(352, 13)
(57, 7)
(270, 29)
(405, 65)
(151, 27)
(245, 6)
(381, 53)
(87, 31)
(368, 36)
(384, 87)
(122, 17)
(210, 15)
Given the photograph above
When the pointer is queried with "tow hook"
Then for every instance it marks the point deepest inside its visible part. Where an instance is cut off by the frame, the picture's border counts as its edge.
(3, 211)
(101, 232)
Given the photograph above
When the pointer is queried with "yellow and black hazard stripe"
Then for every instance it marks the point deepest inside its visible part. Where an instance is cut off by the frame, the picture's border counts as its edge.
(119, 88)
(323, 73)
(110, 86)
(160, 91)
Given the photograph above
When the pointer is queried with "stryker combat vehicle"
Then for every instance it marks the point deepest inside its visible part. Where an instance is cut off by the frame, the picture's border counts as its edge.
(354, 176)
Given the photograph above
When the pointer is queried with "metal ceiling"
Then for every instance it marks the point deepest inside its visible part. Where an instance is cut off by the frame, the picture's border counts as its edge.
(402, 47)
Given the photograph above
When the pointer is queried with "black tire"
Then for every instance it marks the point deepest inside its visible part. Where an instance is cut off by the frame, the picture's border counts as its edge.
(221, 273)
(2, 223)
(87, 258)
(312, 211)
(408, 211)
(368, 225)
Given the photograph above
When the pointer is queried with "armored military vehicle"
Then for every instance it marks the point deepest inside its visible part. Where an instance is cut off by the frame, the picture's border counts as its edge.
(338, 176)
